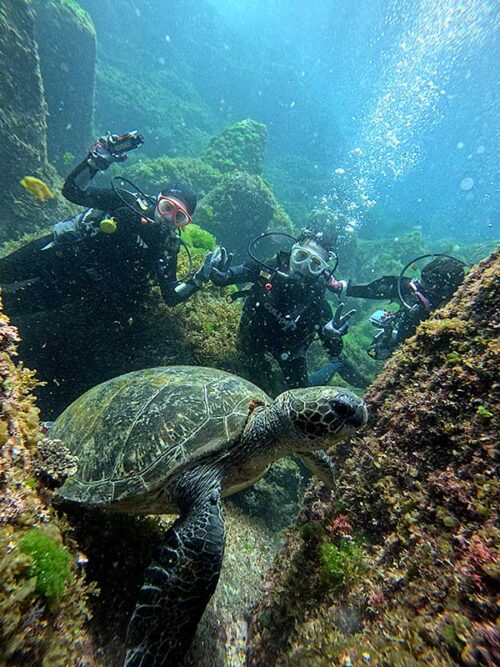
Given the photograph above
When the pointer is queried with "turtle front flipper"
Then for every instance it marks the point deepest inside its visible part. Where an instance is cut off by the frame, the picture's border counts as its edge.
(178, 585)
(321, 465)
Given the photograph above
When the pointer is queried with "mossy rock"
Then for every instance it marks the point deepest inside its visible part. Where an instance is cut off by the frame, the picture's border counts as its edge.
(240, 147)
(236, 211)
(151, 175)
(274, 500)
(66, 40)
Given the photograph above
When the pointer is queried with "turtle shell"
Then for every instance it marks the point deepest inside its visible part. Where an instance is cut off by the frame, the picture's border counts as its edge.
(132, 433)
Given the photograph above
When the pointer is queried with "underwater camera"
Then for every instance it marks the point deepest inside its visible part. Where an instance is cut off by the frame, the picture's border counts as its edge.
(125, 142)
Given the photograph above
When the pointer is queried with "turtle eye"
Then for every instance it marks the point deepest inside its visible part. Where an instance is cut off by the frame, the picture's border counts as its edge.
(343, 408)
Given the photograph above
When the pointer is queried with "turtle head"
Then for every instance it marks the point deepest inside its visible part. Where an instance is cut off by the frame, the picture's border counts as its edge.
(319, 417)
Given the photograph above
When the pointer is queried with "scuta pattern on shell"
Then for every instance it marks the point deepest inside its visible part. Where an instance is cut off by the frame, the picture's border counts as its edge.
(132, 432)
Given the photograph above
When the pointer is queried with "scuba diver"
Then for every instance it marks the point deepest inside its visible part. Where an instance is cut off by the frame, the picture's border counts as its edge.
(438, 281)
(285, 308)
(112, 247)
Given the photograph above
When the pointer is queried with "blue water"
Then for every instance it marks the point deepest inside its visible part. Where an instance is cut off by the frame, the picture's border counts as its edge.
(408, 92)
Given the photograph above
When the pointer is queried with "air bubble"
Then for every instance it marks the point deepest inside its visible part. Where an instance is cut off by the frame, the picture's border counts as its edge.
(467, 183)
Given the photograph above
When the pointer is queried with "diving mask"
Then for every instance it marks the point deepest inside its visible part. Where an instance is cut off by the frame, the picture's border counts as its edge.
(167, 207)
(305, 261)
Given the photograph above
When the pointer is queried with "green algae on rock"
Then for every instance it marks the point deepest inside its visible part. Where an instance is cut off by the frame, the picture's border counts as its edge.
(422, 488)
(239, 147)
(43, 595)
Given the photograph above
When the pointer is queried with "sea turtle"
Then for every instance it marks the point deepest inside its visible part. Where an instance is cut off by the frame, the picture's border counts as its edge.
(175, 440)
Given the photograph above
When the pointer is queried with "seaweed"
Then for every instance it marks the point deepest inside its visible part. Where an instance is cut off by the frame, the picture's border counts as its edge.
(421, 487)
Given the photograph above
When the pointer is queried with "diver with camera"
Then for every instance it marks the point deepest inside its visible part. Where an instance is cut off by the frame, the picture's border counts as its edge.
(285, 307)
(122, 238)
(417, 299)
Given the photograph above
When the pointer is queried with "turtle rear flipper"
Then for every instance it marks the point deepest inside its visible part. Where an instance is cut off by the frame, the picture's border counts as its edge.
(178, 585)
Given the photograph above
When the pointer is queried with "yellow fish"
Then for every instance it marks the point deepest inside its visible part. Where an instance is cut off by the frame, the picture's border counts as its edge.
(37, 188)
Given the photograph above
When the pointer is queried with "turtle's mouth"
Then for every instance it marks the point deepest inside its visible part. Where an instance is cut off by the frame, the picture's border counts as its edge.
(359, 418)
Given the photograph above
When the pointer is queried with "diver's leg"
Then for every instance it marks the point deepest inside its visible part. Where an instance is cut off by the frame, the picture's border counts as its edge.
(27, 262)
(350, 374)
(294, 371)
(252, 352)
(37, 295)
(178, 585)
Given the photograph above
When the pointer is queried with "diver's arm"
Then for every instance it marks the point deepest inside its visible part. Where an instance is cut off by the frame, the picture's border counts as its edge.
(330, 334)
(106, 150)
(382, 288)
(175, 291)
(77, 189)
(331, 339)
(241, 273)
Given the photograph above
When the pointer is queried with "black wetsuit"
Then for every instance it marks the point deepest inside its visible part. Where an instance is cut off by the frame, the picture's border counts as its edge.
(82, 258)
(282, 316)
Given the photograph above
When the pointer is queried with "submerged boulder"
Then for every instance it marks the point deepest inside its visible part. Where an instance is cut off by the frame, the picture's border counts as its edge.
(66, 42)
(23, 125)
(240, 147)
(43, 596)
(400, 566)
(240, 208)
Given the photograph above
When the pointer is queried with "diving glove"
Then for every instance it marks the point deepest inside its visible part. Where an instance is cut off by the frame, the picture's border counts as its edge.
(339, 324)
(214, 268)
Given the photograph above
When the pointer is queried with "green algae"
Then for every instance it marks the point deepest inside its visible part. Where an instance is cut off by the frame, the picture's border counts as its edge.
(196, 237)
(483, 412)
(240, 147)
(50, 563)
(342, 562)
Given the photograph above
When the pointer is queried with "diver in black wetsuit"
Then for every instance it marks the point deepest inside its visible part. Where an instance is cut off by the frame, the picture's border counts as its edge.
(285, 309)
(439, 280)
(112, 247)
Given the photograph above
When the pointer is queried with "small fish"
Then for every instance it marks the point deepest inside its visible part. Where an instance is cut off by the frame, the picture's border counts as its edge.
(345, 660)
(37, 188)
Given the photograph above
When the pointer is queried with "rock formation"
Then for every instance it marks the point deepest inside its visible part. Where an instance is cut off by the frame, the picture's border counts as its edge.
(400, 565)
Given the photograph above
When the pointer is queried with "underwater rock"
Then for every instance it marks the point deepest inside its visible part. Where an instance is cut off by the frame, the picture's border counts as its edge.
(236, 211)
(240, 147)
(417, 495)
(23, 126)
(274, 499)
(153, 174)
(43, 596)
(66, 41)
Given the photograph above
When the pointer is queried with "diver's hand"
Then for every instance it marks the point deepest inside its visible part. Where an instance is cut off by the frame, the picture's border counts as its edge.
(220, 265)
(101, 154)
(338, 287)
(339, 324)
(214, 268)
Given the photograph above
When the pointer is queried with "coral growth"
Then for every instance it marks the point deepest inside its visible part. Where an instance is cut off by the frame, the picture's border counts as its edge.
(421, 489)
(42, 592)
